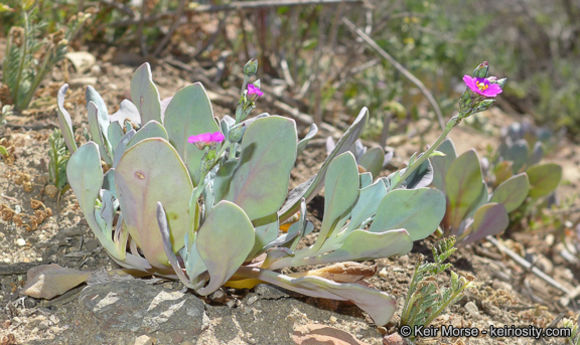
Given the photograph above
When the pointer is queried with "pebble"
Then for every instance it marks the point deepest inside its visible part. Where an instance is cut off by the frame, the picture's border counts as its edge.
(143, 340)
(20, 242)
(472, 309)
(252, 300)
(383, 273)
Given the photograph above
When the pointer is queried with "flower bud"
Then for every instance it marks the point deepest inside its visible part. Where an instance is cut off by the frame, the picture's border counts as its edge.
(481, 70)
(237, 133)
(251, 67)
(484, 105)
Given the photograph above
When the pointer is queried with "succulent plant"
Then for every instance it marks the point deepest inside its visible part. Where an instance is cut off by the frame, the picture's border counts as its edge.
(209, 213)
(472, 213)
(515, 156)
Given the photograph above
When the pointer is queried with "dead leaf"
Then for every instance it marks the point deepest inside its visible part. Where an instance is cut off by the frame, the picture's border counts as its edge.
(343, 272)
(315, 334)
(49, 281)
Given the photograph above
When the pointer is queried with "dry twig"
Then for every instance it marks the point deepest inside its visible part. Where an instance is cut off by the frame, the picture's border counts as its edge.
(399, 67)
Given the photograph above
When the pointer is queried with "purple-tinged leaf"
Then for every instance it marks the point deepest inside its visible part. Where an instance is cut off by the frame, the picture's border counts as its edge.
(544, 178)
(140, 185)
(189, 113)
(379, 305)
(268, 152)
(512, 192)
(463, 187)
(489, 219)
(144, 94)
(224, 241)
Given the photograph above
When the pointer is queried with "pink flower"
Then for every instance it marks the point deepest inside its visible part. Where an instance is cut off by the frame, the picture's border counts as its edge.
(206, 138)
(254, 90)
(482, 86)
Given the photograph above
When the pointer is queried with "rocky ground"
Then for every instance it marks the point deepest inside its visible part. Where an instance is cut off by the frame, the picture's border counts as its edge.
(39, 227)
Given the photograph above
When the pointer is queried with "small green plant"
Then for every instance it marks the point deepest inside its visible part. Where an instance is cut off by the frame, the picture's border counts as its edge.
(425, 299)
(574, 338)
(29, 56)
(58, 158)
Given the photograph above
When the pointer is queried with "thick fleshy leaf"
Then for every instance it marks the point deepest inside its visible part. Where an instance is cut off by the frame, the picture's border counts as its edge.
(115, 133)
(49, 281)
(365, 179)
(96, 131)
(517, 153)
(127, 111)
(489, 219)
(512, 192)
(268, 152)
(85, 176)
(145, 95)
(265, 234)
(544, 178)
(103, 119)
(224, 241)
(463, 187)
(362, 245)
(140, 185)
(168, 247)
(340, 194)
(122, 146)
(536, 154)
(441, 164)
(421, 177)
(304, 141)
(308, 189)
(379, 305)
(295, 232)
(419, 211)
(151, 129)
(502, 171)
(64, 120)
(189, 113)
(367, 204)
(372, 160)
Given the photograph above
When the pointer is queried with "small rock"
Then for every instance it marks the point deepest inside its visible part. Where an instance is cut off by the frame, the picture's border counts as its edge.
(44, 325)
(143, 340)
(20, 242)
(253, 299)
(472, 309)
(383, 273)
(51, 191)
(393, 339)
(218, 296)
(269, 292)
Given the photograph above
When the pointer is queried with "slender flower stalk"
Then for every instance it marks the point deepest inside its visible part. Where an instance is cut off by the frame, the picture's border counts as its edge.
(486, 88)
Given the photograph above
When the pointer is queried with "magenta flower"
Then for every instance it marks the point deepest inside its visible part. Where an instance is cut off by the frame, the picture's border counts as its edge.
(206, 138)
(254, 90)
(482, 86)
